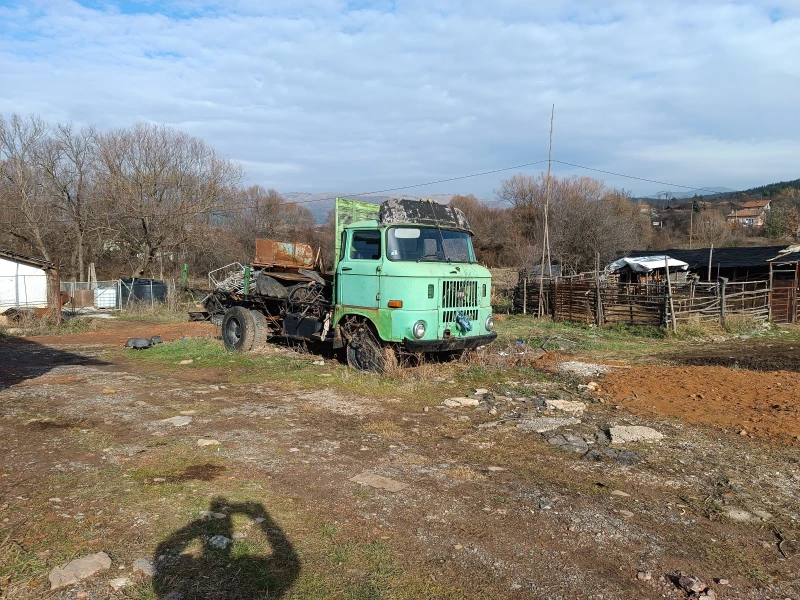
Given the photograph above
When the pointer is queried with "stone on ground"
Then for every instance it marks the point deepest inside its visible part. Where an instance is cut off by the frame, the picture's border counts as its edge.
(569, 406)
(459, 402)
(119, 582)
(569, 443)
(378, 482)
(219, 541)
(178, 421)
(542, 424)
(622, 434)
(144, 565)
(78, 570)
(203, 442)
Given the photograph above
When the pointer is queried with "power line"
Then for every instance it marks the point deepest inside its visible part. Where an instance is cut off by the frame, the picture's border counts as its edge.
(245, 207)
(686, 187)
(234, 208)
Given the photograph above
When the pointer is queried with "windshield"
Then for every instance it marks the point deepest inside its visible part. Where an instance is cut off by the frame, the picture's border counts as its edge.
(425, 244)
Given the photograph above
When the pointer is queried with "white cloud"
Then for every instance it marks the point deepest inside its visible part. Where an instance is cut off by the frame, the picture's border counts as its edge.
(313, 96)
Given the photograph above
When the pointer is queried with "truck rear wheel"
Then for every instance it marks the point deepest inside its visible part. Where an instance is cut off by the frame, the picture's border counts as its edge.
(238, 329)
(261, 334)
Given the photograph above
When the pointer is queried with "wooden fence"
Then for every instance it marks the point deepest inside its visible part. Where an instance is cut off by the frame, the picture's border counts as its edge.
(588, 298)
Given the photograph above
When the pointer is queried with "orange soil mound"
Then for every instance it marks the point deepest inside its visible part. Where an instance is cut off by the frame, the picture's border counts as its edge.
(763, 404)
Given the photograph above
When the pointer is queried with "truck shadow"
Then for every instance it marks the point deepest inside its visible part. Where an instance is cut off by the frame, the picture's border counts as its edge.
(22, 359)
(202, 561)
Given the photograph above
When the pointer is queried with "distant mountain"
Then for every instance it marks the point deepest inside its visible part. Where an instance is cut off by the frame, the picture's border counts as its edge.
(320, 204)
(710, 191)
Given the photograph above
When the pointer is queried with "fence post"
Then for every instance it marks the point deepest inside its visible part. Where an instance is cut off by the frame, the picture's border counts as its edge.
(722, 281)
(524, 295)
(185, 275)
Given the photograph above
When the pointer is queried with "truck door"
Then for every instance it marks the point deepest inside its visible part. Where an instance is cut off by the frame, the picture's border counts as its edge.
(358, 273)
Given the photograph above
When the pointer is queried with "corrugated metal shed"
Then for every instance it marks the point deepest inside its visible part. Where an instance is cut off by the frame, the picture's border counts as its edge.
(729, 258)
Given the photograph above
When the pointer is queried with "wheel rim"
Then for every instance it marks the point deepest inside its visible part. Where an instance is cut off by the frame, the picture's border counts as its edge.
(364, 354)
(233, 331)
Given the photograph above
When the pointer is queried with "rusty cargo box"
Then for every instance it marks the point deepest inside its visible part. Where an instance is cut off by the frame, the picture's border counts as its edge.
(271, 253)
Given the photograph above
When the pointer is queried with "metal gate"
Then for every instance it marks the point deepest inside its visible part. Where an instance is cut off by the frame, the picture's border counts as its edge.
(783, 301)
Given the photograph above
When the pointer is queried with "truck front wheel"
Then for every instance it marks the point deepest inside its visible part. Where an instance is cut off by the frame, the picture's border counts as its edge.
(366, 353)
(238, 329)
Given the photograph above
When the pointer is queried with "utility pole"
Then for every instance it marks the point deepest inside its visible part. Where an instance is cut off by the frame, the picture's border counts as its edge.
(546, 237)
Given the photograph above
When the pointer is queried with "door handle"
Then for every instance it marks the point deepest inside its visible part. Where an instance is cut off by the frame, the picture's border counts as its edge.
(347, 268)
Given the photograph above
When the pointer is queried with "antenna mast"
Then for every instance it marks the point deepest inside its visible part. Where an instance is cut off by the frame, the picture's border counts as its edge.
(546, 238)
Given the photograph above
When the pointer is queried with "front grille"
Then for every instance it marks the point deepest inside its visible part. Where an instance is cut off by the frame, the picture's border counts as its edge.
(449, 316)
(463, 297)
(459, 293)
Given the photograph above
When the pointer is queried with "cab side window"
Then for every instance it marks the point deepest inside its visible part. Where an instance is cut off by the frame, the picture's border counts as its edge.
(366, 245)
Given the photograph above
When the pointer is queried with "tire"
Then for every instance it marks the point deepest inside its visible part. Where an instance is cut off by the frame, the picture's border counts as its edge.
(261, 329)
(366, 353)
(238, 329)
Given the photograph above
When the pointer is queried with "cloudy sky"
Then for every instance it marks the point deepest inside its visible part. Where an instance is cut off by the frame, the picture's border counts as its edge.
(330, 95)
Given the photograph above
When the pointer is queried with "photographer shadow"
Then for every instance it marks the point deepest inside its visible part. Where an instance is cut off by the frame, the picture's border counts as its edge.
(202, 561)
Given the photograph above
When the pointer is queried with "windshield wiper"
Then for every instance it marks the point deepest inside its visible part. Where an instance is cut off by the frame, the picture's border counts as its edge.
(432, 255)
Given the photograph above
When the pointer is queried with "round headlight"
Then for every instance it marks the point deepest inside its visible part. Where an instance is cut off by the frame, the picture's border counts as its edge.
(489, 323)
(419, 329)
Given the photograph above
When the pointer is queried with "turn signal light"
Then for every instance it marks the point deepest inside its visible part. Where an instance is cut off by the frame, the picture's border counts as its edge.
(395, 304)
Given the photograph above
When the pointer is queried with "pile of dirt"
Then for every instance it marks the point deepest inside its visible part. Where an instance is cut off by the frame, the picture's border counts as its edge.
(737, 400)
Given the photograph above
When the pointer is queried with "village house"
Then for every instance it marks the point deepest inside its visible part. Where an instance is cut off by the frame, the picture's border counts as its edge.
(752, 213)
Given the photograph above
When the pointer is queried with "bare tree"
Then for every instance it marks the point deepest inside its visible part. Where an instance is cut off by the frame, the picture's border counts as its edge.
(161, 183)
(68, 161)
(22, 195)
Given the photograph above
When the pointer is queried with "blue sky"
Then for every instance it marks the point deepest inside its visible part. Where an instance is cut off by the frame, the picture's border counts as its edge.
(329, 95)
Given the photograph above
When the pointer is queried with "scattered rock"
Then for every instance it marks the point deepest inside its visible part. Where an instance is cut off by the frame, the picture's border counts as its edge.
(78, 570)
(186, 361)
(569, 443)
(626, 513)
(620, 493)
(481, 392)
(543, 424)
(582, 369)
(378, 482)
(688, 583)
(207, 514)
(623, 434)
(496, 469)
(219, 541)
(55, 500)
(592, 386)
(761, 514)
(622, 457)
(179, 421)
(119, 582)
(319, 362)
(644, 576)
(459, 402)
(204, 442)
(740, 515)
(457, 547)
(569, 406)
(722, 581)
(144, 565)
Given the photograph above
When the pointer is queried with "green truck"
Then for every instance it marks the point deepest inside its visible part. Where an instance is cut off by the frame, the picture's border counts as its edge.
(405, 280)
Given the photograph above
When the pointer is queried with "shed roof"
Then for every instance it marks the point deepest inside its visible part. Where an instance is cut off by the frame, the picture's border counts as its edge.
(26, 260)
(729, 258)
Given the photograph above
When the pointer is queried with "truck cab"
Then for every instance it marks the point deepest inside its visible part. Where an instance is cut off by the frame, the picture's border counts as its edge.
(411, 278)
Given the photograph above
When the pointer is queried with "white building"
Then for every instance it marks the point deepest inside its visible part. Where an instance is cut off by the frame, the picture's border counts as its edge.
(23, 281)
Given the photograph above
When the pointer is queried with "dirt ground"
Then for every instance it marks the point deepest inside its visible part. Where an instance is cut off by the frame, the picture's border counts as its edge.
(489, 508)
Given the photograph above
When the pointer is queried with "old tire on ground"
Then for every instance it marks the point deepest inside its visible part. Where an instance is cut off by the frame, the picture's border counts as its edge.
(366, 353)
(260, 327)
(238, 329)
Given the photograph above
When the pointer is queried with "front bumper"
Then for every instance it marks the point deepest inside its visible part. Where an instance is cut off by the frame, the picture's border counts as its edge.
(447, 345)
